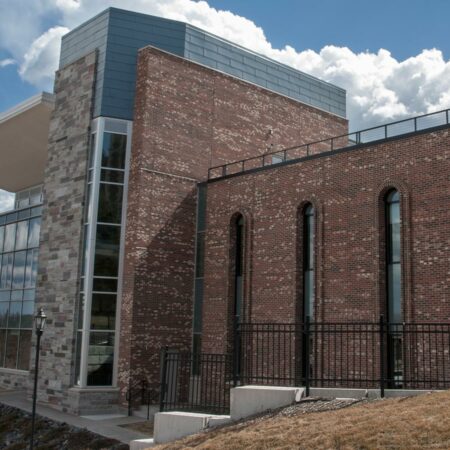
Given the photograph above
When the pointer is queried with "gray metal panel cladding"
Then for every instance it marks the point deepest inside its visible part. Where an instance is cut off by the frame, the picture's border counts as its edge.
(118, 35)
(232, 59)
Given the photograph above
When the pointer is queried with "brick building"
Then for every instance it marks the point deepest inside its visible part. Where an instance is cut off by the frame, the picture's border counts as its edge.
(183, 178)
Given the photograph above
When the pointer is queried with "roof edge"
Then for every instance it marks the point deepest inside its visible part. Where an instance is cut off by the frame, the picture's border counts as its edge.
(262, 56)
(41, 98)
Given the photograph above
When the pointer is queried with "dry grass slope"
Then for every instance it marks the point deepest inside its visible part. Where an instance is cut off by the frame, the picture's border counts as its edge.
(408, 424)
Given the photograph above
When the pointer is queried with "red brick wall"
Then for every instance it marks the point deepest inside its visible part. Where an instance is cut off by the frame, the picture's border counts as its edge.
(346, 189)
(187, 118)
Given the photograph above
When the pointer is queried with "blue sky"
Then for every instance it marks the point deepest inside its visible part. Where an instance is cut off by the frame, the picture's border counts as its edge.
(392, 57)
(404, 27)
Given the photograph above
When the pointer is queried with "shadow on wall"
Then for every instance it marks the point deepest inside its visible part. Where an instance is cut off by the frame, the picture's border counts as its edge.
(163, 287)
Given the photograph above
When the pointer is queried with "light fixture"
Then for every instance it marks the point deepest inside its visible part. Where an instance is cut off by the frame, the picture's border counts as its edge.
(39, 320)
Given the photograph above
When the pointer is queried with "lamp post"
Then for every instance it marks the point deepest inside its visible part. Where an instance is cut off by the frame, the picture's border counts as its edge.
(39, 321)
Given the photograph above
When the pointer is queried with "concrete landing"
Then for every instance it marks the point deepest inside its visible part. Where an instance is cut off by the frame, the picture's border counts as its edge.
(363, 393)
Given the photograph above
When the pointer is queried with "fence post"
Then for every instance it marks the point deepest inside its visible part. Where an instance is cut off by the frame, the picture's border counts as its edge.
(382, 356)
(162, 388)
(307, 355)
(128, 397)
(236, 350)
(143, 390)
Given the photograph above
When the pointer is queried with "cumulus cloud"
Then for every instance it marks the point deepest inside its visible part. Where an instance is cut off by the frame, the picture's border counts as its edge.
(41, 59)
(21, 22)
(7, 62)
(6, 201)
(379, 87)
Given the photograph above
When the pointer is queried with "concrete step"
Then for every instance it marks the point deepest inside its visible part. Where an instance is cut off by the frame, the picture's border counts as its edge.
(170, 426)
(141, 444)
(250, 400)
(141, 411)
(245, 401)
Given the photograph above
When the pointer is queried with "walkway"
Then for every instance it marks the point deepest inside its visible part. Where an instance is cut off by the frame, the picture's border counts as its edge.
(105, 425)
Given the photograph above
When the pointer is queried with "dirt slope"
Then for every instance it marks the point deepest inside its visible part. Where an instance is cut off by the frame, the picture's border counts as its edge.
(421, 422)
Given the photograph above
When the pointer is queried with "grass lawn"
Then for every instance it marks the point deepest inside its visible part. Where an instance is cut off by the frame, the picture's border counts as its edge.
(421, 422)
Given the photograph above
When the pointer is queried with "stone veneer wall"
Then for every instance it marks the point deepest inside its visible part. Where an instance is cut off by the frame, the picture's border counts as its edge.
(62, 227)
(187, 118)
(347, 191)
(14, 379)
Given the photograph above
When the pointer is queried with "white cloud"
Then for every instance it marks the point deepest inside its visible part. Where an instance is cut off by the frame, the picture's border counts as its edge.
(6, 201)
(7, 62)
(41, 59)
(21, 22)
(379, 87)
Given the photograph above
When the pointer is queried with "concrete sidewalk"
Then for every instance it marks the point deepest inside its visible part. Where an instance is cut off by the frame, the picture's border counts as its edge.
(105, 425)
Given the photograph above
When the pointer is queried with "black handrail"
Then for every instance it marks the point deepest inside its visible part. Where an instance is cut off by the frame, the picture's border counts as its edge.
(382, 356)
(141, 391)
(332, 143)
(163, 385)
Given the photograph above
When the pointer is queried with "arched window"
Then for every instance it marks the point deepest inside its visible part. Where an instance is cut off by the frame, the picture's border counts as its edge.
(308, 261)
(239, 266)
(395, 368)
(393, 263)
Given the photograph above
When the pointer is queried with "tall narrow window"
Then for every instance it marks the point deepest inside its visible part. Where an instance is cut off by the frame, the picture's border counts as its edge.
(239, 267)
(307, 352)
(393, 264)
(199, 277)
(308, 261)
(394, 288)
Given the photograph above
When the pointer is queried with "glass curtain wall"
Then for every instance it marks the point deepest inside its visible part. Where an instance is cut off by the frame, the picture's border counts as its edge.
(19, 247)
(101, 269)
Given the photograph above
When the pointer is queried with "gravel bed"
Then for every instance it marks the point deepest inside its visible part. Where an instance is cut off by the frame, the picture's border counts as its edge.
(315, 404)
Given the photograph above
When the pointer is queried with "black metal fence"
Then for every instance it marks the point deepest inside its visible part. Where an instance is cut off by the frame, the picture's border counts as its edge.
(196, 382)
(390, 130)
(351, 355)
(376, 355)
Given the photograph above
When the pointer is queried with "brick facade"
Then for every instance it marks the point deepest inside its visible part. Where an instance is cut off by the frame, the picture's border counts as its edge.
(187, 118)
(346, 187)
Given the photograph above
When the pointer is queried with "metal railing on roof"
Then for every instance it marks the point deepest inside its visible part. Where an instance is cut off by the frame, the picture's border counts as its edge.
(369, 135)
